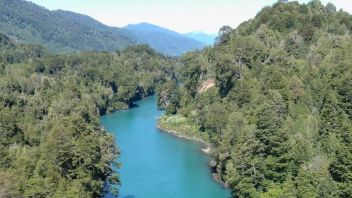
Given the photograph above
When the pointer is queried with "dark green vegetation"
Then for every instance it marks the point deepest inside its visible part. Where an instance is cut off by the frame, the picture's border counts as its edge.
(51, 141)
(163, 40)
(274, 97)
(59, 31)
(64, 32)
(279, 113)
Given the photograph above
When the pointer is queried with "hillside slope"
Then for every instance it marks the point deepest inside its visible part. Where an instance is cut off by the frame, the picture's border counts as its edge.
(59, 31)
(279, 115)
(51, 140)
(163, 40)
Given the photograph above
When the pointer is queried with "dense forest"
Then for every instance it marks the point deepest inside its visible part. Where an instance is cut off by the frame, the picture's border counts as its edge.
(65, 32)
(51, 141)
(59, 31)
(274, 99)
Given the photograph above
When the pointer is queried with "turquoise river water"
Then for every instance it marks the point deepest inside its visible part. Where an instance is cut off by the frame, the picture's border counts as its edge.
(157, 164)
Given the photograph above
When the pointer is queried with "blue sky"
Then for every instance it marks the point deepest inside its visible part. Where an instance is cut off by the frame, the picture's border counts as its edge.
(179, 15)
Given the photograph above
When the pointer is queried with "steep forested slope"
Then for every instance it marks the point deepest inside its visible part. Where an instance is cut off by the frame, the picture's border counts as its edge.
(51, 141)
(279, 115)
(59, 31)
(163, 40)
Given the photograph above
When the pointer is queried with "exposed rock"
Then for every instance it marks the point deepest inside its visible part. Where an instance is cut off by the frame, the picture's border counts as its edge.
(206, 85)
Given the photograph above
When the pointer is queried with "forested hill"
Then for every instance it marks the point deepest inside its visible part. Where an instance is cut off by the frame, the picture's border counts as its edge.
(51, 141)
(59, 31)
(63, 31)
(274, 98)
(163, 40)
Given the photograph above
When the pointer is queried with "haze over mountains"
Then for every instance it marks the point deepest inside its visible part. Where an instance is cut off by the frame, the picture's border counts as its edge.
(65, 31)
(208, 39)
(164, 40)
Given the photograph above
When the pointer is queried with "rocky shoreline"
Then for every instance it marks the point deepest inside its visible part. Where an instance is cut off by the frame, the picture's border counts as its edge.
(206, 150)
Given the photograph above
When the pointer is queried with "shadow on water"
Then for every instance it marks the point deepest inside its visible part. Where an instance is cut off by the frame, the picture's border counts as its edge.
(133, 105)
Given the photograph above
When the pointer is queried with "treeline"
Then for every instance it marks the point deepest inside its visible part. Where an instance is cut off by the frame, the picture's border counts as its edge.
(274, 96)
(51, 141)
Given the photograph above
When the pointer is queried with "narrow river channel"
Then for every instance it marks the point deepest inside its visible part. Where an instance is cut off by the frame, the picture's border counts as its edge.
(156, 164)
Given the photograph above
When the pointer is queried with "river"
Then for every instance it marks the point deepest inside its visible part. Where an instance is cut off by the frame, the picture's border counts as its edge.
(157, 164)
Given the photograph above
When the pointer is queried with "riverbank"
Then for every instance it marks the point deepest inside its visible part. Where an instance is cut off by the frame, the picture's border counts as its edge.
(169, 165)
(120, 106)
(207, 150)
(178, 126)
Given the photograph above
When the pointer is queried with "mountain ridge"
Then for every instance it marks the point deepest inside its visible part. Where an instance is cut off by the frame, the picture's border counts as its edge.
(206, 38)
(164, 40)
(55, 30)
(62, 31)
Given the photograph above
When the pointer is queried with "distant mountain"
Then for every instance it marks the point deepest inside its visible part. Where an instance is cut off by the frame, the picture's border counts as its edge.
(59, 31)
(63, 31)
(208, 39)
(163, 40)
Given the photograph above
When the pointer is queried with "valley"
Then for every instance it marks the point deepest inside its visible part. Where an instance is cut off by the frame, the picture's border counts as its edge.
(84, 106)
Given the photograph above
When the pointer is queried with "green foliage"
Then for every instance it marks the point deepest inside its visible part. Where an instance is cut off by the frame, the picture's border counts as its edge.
(341, 170)
(279, 115)
(51, 141)
(59, 31)
(224, 35)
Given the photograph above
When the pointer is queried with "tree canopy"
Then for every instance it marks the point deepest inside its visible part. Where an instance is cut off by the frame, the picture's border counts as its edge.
(279, 115)
(51, 141)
